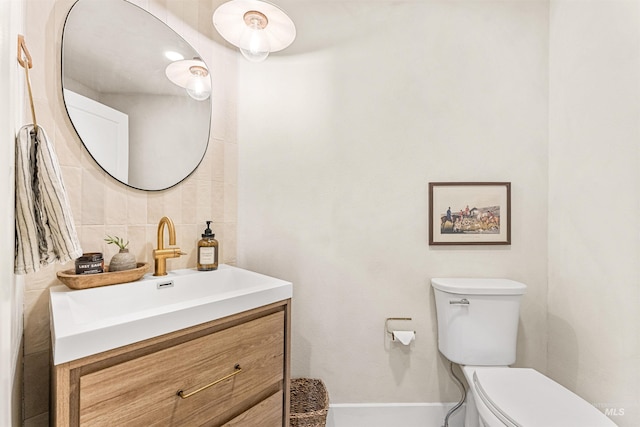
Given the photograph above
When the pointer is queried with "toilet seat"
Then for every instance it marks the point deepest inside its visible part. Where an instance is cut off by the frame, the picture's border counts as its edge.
(523, 397)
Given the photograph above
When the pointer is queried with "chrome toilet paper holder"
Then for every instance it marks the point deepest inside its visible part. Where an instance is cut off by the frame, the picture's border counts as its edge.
(392, 319)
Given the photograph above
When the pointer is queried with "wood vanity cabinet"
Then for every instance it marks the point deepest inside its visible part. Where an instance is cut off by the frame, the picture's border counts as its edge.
(231, 372)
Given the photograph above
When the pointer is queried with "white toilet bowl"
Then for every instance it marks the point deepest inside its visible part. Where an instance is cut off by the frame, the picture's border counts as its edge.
(523, 397)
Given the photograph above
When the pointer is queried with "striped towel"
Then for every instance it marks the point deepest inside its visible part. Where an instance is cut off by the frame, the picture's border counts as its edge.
(45, 231)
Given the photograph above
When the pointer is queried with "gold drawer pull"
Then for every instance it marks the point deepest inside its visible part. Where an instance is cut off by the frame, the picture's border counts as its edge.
(236, 370)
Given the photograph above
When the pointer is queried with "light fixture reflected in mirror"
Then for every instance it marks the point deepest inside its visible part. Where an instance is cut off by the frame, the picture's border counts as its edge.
(254, 26)
(197, 83)
(191, 74)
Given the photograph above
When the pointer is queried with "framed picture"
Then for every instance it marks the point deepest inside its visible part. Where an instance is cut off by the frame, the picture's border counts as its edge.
(469, 213)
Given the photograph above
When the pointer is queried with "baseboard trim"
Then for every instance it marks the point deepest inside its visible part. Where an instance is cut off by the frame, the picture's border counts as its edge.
(392, 415)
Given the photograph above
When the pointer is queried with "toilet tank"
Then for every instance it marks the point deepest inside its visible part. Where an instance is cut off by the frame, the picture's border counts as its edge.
(478, 319)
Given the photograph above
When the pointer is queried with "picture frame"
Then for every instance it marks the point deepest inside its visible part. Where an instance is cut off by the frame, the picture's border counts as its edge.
(469, 213)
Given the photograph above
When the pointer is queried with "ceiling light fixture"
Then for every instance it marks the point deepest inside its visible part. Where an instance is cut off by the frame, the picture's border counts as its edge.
(256, 27)
(191, 74)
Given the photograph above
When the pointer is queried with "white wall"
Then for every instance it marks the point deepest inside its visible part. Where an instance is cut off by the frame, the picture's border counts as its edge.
(594, 198)
(150, 143)
(337, 146)
(11, 293)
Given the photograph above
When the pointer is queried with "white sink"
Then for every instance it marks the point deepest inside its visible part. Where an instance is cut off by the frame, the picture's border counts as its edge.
(90, 321)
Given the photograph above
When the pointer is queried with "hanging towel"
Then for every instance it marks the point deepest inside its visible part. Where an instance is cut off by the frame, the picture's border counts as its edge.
(45, 231)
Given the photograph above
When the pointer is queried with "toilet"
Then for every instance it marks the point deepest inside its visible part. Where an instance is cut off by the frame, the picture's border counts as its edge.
(478, 329)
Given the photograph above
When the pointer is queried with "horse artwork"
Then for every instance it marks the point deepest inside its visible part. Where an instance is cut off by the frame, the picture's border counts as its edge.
(476, 220)
(469, 213)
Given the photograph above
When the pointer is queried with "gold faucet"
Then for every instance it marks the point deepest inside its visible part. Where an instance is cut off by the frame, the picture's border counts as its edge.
(161, 254)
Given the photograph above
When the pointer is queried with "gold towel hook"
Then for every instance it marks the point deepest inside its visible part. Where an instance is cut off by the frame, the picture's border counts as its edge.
(27, 62)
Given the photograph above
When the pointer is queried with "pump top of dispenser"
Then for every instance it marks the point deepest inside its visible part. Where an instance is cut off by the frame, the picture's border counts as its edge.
(208, 233)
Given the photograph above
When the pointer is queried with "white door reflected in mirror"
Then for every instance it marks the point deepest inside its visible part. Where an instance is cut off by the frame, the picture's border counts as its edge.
(106, 132)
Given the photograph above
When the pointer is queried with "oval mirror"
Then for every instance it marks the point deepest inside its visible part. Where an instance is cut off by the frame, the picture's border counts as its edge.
(136, 93)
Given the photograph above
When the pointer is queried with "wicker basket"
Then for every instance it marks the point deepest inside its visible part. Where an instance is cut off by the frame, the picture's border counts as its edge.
(309, 403)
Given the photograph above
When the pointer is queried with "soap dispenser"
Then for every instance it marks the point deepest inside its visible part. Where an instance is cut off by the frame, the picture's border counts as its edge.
(208, 251)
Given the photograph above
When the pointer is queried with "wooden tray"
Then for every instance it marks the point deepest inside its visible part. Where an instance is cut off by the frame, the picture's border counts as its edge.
(85, 281)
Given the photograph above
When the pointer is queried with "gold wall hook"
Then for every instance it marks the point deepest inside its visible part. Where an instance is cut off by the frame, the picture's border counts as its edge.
(27, 62)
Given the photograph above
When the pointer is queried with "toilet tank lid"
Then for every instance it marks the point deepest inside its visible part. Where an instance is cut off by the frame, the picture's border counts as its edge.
(478, 286)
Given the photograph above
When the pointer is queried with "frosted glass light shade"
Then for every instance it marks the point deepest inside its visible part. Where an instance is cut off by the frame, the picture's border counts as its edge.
(255, 37)
(233, 21)
(191, 74)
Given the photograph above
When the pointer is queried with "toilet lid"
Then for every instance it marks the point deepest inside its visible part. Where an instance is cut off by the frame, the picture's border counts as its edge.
(526, 398)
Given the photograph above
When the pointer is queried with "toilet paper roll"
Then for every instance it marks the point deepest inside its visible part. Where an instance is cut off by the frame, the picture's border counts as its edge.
(404, 337)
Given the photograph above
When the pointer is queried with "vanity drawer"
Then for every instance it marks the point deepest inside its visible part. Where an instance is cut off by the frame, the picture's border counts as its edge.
(267, 413)
(143, 391)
